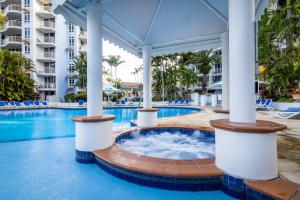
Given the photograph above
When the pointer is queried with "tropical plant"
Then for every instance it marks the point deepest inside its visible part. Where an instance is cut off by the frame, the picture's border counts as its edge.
(203, 61)
(113, 61)
(15, 81)
(279, 49)
(2, 20)
(81, 69)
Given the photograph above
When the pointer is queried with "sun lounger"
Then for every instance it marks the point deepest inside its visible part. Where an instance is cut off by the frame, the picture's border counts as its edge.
(44, 103)
(36, 103)
(289, 113)
(80, 103)
(17, 104)
(2, 105)
(265, 105)
(26, 104)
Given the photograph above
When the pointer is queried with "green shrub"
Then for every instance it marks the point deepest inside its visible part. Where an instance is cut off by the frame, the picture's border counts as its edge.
(285, 99)
(70, 97)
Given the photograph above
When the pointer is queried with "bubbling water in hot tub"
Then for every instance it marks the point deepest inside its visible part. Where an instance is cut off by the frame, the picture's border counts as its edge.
(171, 145)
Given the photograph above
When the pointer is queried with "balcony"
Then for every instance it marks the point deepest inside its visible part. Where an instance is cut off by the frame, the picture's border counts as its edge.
(217, 71)
(46, 27)
(72, 72)
(12, 42)
(46, 71)
(47, 86)
(13, 11)
(46, 43)
(45, 12)
(82, 36)
(12, 27)
(47, 57)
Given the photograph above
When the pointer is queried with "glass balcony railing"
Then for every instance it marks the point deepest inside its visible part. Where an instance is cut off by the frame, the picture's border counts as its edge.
(47, 86)
(46, 70)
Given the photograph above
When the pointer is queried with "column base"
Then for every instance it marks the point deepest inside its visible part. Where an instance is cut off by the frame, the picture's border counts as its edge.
(247, 151)
(92, 133)
(147, 117)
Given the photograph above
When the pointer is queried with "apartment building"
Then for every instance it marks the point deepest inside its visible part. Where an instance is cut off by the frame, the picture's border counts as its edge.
(48, 40)
(215, 74)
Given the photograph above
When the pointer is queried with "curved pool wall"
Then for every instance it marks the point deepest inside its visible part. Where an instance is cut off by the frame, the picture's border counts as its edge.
(22, 125)
(170, 143)
(179, 183)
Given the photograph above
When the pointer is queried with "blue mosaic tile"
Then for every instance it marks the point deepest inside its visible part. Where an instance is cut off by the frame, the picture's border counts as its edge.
(85, 157)
(170, 183)
(252, 194)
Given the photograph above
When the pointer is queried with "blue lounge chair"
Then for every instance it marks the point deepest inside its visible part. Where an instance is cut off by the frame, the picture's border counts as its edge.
(17, 104)
(80, 102)
(187, 102)
(36, 103)
(31, 103)
(181, 102)
(2, 105)
(44, 103)
(176, 102)
(289, 113)
(260, 103)
(266, 105)
(26, 104)
(12, 104)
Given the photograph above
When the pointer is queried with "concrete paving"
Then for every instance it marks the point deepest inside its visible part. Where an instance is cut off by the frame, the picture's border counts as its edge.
(288, 140)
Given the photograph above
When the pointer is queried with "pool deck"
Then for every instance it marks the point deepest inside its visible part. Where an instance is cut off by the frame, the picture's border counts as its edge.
(288, 140)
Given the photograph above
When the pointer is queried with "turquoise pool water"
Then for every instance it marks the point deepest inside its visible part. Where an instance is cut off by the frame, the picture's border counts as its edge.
(55, 123)
(46, 169)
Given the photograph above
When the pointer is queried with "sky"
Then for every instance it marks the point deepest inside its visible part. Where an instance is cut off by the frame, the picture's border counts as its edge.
(124, 71)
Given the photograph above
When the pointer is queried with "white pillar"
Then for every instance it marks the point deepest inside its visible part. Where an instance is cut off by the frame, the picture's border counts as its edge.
(242, 60)
(94, 59)
(225, 70)
(147, 94)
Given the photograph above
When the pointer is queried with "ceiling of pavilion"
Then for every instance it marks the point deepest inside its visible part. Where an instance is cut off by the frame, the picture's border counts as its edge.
(168, 25)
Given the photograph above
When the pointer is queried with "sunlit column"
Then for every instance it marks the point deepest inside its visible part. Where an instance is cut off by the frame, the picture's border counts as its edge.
(242, 60)
(94, 59)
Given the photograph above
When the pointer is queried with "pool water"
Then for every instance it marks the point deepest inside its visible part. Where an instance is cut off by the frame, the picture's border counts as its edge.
(170, 144)
(46, 169)
(54, 123)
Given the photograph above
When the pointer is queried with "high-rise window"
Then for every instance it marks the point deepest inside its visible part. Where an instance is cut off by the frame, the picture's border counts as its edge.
(71, 41)
(27, 17)
(27, 48)
(26, 3)
(27, 32)
(71, 27)
(71, 54)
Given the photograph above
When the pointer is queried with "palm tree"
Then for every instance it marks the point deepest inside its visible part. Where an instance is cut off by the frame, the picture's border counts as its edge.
(81, 67)
(15, 81)
(2, 20)
(203, 60)
(113, 61)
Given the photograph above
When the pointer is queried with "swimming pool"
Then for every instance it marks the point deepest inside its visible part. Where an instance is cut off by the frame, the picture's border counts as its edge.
(18, 125)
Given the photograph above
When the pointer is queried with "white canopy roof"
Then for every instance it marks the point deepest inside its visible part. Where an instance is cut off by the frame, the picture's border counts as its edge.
(168, 25)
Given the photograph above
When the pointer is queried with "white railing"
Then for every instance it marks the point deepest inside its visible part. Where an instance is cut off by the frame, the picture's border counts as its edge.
(47, 8)
(47, 24)
(217, 71)
(47, 40)
(47, 86)
(11, 39)
(47, 70)
(50, 55)
(12, 23)
(12, 7)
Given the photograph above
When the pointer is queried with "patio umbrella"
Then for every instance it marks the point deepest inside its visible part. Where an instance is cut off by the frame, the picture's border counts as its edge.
(109, 89)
